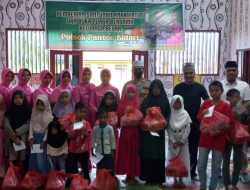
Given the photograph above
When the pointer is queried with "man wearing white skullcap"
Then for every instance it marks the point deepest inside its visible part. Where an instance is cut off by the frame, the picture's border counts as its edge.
(138, 80)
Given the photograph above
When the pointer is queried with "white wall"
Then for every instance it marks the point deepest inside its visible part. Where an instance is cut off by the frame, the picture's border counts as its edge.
(199, 15)
(239, 26)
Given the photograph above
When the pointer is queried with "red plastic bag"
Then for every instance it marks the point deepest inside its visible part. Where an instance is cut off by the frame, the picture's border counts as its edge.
(131, 117)
(104, 180)
(56, 180)
(12, 178)
(79, 183)
(33, 180)
(67, 121)
(154, 120)
(176, 168)
(214, 125)
(112, 119)
(238, 133)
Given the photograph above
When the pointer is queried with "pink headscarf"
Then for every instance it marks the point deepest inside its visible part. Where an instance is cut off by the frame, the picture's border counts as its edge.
(6, 87)
(55, 93)
(2, 110)
(59, 109)
(97, 94)
(24, 86)
(4, 73)
(83, 82)
(82, 92)
(43, 88)
(107, 71)
(126, 102)
(62, 85)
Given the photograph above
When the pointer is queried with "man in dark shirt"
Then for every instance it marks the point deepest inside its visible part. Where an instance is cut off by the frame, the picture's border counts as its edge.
(192, 92)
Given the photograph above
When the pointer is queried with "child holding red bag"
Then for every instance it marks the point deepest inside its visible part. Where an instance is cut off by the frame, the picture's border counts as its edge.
(233, 96)
(152, 147)
(178, 135)
(128, 161)
(79, 145)
(215, 144)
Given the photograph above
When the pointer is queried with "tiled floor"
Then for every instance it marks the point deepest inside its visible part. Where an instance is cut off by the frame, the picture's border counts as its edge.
(192, 186)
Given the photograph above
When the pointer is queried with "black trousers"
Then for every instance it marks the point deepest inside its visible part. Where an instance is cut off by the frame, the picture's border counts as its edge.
(193, 142)
(237, 163)
(72, 163)
(152, 170)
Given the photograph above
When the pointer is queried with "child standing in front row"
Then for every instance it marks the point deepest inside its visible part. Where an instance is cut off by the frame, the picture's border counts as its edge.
(233, 96)
(40, 118)
(103, 141)
(215, 144)
(79, 145)
(57, 145)
(16, 125)
(128, 161)
(178, 135)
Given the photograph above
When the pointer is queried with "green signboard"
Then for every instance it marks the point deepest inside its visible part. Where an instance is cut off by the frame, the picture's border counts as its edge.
(114, 26)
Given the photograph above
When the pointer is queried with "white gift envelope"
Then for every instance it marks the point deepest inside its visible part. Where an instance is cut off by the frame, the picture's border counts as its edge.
(36, 149)
(19, 147)
(97, 158)
(78, 125)
(154, 134)
(210, 112)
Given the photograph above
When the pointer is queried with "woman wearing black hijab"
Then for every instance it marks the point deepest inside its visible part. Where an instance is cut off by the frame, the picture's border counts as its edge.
(152, 148)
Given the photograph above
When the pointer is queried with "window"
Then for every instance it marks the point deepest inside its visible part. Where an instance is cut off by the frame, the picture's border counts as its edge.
(201, 48)
(26, 48)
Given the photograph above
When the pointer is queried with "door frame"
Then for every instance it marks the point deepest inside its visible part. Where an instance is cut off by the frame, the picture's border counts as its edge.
(66, 54)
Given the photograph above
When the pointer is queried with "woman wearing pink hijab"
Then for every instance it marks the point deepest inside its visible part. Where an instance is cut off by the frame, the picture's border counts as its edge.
(44, 88)
(24, 76)
(65, 83)
(83, 90)
(6, 86)
(2, 134)
(98, 92)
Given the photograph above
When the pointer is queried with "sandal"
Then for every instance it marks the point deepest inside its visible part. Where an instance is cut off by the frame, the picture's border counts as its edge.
(244, 179)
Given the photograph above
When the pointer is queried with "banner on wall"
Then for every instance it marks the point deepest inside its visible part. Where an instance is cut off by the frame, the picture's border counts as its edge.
(114, 26)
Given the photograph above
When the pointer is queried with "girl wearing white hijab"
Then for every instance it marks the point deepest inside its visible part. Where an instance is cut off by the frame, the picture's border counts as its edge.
(178, 135)
(40, 118)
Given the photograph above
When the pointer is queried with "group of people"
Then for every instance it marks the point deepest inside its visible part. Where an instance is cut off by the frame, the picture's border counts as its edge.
(47, 118)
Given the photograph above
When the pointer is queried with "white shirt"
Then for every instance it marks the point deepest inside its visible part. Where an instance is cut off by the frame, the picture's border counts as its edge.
(242, 86)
